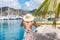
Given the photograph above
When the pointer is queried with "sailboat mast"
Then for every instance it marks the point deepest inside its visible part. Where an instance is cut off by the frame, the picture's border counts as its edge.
(8, 11)
(1, 9)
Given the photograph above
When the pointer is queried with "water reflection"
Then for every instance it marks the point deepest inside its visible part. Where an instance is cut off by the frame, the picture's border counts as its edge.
(10, 30)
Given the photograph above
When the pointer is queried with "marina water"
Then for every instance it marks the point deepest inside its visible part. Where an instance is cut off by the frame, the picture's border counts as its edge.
(11, 30)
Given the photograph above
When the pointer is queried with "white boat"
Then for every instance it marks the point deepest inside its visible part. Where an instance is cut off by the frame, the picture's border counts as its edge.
(1, 17)
(13, 17)
(18, 17)
(9, 17)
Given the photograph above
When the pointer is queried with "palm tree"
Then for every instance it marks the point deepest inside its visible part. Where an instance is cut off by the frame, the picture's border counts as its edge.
(48, 5)
(39, 8)
(44, 6)
(55, 6)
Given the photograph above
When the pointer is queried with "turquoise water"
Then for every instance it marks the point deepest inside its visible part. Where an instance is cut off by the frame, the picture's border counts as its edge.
(11, 30)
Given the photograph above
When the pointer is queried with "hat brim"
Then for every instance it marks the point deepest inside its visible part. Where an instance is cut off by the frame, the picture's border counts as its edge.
(30, 17)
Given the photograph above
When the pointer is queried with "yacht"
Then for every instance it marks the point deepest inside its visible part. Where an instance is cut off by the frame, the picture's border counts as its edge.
(10, 17)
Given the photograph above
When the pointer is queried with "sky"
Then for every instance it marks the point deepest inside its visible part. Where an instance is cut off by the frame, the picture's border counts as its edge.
(21, 4)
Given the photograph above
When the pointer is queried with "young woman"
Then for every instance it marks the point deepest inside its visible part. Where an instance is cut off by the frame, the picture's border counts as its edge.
(28, 22)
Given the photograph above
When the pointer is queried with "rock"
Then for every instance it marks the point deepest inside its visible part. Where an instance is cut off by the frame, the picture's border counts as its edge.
(47, 32)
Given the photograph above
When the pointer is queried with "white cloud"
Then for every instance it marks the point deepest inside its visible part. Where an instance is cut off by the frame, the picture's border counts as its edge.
(10, 3)
(32, 4)
(27, 3)
(59, 0)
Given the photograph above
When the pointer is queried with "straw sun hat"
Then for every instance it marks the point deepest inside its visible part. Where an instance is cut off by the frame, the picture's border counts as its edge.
(28, 17)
